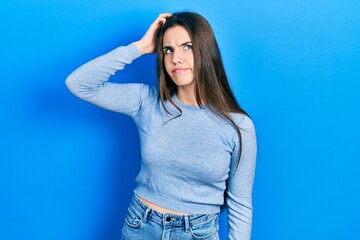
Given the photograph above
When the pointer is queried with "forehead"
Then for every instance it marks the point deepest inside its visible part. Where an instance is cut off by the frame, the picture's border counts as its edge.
(176, 35)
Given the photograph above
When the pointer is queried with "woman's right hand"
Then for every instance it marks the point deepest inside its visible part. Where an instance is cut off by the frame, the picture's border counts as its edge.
(146, 43)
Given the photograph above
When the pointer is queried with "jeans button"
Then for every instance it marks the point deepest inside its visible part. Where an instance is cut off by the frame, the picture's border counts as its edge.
(168, 219)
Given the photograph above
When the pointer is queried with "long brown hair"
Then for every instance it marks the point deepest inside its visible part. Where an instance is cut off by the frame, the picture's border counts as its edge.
(212, 88)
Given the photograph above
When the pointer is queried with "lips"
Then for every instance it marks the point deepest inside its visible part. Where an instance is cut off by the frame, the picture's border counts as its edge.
(179, 70)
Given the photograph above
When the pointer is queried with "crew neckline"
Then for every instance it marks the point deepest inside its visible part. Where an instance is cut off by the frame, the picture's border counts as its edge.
(184, 105)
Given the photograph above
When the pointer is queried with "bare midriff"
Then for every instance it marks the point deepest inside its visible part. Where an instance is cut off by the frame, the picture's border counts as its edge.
(159, 208)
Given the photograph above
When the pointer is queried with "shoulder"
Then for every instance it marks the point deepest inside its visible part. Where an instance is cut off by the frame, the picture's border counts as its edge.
(148, 90)
(147, 93)
(248, 139)
(244, 122)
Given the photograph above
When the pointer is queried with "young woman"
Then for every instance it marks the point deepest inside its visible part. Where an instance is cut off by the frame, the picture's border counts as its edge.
(198, 147)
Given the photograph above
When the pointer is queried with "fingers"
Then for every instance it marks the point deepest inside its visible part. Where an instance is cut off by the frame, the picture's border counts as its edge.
(161, 19)
(165, 15)
(146, 43)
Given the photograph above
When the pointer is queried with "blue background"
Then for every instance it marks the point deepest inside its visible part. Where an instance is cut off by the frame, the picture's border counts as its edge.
(67, 168)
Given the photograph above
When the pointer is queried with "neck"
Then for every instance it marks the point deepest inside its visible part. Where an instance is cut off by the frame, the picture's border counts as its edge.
(186, 97)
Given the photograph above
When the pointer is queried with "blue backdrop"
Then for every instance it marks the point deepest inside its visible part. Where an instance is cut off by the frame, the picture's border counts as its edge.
(67, 168)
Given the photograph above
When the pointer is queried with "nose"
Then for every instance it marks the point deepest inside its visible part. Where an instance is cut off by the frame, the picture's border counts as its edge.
(177, 57)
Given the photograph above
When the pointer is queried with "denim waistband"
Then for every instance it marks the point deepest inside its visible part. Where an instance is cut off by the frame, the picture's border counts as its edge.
(166, 219)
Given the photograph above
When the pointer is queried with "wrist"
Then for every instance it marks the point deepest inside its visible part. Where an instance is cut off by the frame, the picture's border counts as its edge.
(140, 47)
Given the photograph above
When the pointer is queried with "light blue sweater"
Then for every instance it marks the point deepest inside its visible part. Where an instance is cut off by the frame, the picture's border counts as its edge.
(186, 157)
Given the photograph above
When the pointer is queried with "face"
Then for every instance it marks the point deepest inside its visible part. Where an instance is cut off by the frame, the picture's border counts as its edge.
(178, 57)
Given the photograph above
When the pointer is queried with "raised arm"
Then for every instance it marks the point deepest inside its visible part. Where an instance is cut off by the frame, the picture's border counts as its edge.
(90, 81)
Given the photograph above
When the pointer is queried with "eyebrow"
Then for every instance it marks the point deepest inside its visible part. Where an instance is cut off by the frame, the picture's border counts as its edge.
(182, 44)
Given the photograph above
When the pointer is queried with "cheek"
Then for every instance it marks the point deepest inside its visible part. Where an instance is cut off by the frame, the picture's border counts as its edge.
(190, 59)
(167, 65)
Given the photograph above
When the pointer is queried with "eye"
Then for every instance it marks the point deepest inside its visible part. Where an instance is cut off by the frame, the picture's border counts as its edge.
(187, 46)
(168, 50)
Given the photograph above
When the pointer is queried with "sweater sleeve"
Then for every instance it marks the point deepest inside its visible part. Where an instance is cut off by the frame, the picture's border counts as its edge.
(90, 83)
(240, 184)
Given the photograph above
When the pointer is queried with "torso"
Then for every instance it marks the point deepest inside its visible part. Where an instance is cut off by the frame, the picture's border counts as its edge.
(159, 208)
(180, 152)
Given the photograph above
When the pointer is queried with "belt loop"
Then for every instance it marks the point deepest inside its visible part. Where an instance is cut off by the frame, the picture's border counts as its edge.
(144, 219)
(186, 218)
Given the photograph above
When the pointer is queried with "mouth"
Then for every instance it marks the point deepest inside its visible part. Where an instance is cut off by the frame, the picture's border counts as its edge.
(179, 70)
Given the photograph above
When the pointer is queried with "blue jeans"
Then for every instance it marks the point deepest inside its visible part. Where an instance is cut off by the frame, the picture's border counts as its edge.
(141, 222)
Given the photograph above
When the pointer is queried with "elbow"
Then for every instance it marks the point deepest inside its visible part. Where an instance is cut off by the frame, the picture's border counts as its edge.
(69, 83)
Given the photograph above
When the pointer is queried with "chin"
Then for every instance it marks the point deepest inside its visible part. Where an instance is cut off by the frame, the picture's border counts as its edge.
(183, 82)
